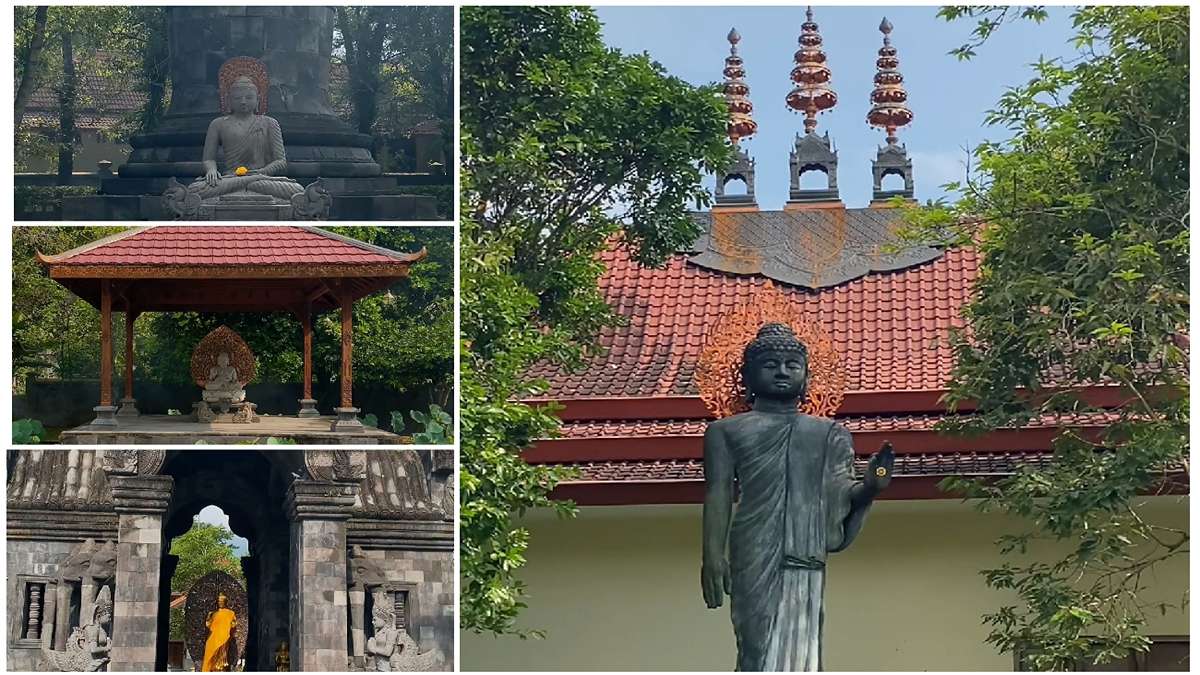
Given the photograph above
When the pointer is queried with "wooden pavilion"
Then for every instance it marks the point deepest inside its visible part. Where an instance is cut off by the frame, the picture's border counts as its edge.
(300, 270)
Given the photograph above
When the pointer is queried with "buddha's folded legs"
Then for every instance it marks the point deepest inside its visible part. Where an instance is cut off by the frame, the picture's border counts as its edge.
(280, 188)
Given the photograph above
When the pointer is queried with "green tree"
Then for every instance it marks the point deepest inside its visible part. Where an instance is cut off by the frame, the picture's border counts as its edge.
(202, 549)
(400, 63)
(1081, 217)
(54, 332)
(568, 147)
(60, 47)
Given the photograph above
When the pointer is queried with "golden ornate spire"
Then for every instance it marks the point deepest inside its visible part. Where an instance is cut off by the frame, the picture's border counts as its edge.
(889, 111)
(741, 124)
(812, 93)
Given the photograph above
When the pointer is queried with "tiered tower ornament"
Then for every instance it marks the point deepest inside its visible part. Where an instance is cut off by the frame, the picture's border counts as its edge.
(889, 110)
(741, 124)
(812, 94)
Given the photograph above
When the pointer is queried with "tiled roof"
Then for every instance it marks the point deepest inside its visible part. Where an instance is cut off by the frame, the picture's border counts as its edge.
(928, 464)
(808, 248)
(855, 424)
(238, 245)
(107, 96)
(889, 327)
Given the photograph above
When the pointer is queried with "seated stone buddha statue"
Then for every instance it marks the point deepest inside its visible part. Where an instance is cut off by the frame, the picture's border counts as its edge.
(253, 148)
(222, 384)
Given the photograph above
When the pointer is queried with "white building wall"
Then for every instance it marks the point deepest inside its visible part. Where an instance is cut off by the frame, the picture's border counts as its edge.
(619, 589)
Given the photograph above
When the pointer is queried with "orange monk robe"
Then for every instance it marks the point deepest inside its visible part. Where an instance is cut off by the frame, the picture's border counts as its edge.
(216, 648)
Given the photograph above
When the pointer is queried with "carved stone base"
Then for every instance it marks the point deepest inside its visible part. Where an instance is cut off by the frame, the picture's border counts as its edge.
(308, 408)
(347, 420)
(244, 413)
(202, 413)
(128, 408)
(106, 416)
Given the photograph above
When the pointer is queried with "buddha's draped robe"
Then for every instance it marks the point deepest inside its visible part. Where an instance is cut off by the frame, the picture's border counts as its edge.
(216, 648)
(795, 475)
(260, 147)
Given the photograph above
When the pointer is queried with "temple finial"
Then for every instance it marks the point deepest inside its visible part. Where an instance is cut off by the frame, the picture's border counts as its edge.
(741, 124)
(812, 93)
(889, 110)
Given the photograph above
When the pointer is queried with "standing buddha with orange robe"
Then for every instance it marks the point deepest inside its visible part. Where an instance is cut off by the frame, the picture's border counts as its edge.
(220, 624)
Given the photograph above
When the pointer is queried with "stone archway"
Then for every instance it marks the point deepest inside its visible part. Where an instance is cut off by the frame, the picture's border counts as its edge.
(293, 505)
(250, 487)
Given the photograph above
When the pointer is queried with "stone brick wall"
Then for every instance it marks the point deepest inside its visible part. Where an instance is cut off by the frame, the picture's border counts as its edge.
(432, 572)
(28, 557)
(319, 599)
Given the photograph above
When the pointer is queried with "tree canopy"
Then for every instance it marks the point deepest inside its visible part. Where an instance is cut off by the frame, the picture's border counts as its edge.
(1081, 217)
(568, 146)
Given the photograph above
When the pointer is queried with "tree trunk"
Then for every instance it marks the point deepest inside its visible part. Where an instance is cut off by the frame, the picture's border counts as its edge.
(33, 63)
(66, 113)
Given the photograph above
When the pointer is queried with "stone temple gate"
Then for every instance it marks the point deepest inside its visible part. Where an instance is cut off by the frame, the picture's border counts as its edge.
(326, 529)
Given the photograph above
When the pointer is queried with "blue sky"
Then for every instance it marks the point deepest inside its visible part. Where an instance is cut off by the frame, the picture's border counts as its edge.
(948, 97)
(214, 515)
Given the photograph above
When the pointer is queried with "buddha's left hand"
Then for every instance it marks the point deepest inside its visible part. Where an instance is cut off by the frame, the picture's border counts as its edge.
(880, 468)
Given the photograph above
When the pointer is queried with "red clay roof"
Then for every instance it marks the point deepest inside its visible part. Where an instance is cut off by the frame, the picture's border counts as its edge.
(890, 327)
(233, 245)
(855, 425)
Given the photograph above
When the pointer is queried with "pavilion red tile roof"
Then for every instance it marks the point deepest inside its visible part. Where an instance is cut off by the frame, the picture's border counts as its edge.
(228, 245)
(890, 327)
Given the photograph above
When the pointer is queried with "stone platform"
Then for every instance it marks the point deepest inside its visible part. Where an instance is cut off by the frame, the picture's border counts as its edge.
(364, 198)
(181, 430)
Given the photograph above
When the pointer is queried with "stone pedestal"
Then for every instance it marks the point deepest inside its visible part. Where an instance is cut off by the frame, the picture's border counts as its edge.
(140, 502)
(245, 206)
(308, 408)
(106, 416)
(347, 420)
(319, 597)
(128, 408)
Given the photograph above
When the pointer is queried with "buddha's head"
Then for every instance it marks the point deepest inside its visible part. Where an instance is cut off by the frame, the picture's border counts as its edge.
(223, 359)
(243, 95)
(775, 364)
(221, 600)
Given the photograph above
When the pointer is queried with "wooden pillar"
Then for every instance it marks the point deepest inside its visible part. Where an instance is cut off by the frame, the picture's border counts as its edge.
(308, 405)
(128, 403)
(308, 365)
(106, 411)
(106, 351)
(347, 414)
(347, 377)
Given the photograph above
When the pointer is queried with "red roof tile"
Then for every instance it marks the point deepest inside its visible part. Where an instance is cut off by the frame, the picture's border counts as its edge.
(928, 464)
(890, 327)
(233, 245)
(648, 429)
